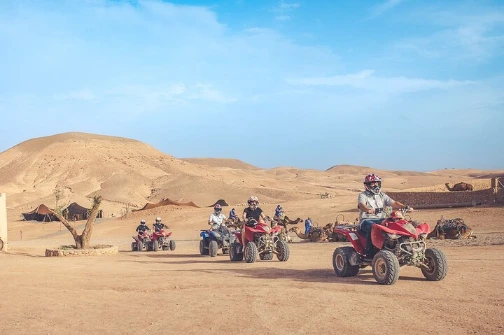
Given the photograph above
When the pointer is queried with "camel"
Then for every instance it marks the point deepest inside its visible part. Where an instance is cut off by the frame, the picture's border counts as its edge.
(459, 187)
(315, 234)
(454, 229)
(283, 222)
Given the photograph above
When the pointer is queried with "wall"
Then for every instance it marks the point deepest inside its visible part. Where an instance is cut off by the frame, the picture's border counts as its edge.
(448, 199)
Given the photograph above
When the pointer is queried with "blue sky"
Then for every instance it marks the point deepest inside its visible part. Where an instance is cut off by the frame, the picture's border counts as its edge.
(396, 84)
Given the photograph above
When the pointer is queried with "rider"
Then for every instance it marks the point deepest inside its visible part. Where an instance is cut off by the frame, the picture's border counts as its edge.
(216, 219)
(371, 204)
(279, 216)
(279, 212)
(158, 225)
(252, 212)
(232, 214)
(142, 227)
(308, 225)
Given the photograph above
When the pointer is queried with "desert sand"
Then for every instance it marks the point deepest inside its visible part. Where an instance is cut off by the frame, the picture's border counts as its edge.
(181, 291)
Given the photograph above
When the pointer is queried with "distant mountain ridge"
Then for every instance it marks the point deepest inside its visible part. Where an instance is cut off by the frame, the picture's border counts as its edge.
(129, 173)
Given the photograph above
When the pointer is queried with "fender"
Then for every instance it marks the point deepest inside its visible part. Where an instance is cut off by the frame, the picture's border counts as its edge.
(358, 241)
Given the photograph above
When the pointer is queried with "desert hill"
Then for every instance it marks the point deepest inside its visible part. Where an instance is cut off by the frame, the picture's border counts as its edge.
(129, 174)
(222, 163)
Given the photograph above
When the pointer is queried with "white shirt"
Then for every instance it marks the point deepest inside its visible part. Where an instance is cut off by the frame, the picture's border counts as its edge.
(216, 219)
(374, 201)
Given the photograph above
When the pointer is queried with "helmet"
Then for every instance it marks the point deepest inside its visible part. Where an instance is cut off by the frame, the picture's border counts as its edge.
(373, 178)
(217, 208)
(253, 201)
(396, 215)
(158, 219)
(142, 221)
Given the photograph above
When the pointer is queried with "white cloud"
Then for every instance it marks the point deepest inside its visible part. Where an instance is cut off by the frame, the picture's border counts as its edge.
(287, 6)
(365, 80)
(384, 7)
(282, 17)
(468, 33)
(284, 10)
(84, 94)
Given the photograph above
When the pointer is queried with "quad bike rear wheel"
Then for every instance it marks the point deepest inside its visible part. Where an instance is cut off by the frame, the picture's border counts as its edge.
(385, 267)
(283, 251)
(213, 247)
(250, 253)
(202, 249)
(234, 254)
(172, 245)
(437, 267)
(341, 262)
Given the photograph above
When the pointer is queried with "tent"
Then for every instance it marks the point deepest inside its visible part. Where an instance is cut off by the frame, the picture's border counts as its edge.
(221, 202)
(166, 202)
(42, 214)
(76, 212)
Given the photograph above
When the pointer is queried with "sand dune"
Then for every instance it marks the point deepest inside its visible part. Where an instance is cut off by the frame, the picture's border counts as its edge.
(129, 173)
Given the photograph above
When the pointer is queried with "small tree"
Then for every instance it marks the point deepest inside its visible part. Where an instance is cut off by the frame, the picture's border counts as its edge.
(82, 241)
(58, 194)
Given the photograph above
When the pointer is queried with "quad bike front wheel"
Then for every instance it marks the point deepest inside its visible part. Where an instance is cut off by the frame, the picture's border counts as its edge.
(172, 245)
(250, 253)
(155, 245)
(283, 251)
(213, 247)
(140, 245)
(133, 246)
(385, 267)
(341, 262)
(437, 267)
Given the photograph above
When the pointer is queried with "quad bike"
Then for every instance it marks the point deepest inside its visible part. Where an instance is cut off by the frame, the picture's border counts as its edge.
(395, 244)
(260, 240)
(141, 241)
(213, 240)
(337, 237)
(161, 240)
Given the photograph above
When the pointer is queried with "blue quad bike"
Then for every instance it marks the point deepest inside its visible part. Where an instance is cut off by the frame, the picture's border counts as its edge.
(213, 240)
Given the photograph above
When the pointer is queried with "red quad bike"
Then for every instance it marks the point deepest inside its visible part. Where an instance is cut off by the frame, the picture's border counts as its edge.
(161, 240)
(141, 241)
(397, 244)
(260, 240)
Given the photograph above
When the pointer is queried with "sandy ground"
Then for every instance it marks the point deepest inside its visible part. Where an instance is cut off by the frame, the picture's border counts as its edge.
(182, 292)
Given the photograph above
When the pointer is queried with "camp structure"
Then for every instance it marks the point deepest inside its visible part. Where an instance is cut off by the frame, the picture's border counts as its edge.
(76, 212)
(221, 202)
(42, 214)
(166, 202)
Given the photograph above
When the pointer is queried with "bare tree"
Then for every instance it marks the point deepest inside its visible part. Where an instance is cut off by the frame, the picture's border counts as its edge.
(58, 194)
(82, 241)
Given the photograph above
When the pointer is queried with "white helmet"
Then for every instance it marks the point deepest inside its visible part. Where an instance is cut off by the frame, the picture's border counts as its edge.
(253, 201)
(158, 219)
